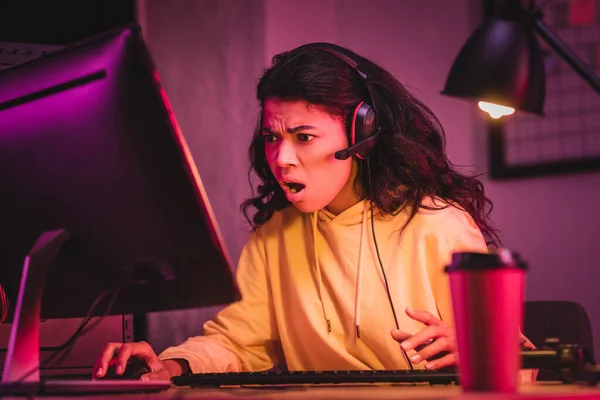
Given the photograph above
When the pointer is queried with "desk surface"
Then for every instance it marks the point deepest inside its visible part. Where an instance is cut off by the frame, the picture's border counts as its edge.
(539, 391)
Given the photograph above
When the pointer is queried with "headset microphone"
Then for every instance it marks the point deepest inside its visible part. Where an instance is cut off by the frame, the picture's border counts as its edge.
(358, 147)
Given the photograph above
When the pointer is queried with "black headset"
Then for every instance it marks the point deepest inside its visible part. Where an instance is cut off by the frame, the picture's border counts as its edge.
(364, 129)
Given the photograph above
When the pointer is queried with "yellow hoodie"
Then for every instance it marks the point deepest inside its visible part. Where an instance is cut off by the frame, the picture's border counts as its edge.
(314, 297)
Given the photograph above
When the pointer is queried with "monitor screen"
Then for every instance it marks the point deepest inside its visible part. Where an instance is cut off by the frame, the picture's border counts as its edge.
(90, 145)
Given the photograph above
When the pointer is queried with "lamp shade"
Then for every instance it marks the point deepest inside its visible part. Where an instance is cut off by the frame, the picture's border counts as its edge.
(500, 63)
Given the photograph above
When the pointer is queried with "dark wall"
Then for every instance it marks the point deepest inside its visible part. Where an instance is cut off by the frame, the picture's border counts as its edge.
(60, 22)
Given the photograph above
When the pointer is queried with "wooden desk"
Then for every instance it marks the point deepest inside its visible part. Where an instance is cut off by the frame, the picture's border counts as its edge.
(538, 391)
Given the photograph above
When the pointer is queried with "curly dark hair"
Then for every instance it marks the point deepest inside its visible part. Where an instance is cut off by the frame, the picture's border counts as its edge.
(409, 162)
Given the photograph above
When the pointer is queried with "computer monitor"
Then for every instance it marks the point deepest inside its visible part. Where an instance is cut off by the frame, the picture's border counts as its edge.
(98, 191)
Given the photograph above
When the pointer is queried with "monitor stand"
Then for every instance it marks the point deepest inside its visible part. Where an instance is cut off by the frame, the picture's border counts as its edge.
(21, 376)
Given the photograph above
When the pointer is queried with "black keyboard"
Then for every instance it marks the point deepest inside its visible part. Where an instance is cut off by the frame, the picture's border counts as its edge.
(316, 377)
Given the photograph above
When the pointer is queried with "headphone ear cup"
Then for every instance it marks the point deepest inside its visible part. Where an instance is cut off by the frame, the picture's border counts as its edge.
(362, 126)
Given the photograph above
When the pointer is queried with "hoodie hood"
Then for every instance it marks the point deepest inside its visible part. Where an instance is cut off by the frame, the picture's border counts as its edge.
(351, 216)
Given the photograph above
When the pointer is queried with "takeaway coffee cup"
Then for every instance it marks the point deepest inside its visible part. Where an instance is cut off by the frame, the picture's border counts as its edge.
(487, 296)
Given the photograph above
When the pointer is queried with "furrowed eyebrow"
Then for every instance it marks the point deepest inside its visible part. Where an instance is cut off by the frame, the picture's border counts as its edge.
(293, 130)
(300, 128)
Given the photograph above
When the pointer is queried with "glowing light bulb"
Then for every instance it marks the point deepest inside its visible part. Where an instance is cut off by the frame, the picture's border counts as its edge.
(496, 111)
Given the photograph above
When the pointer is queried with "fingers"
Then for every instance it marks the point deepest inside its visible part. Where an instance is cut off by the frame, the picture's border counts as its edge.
(424, 337)
(448, 360)
(428, 353)
(424, 316)
(125, 351)
(107, 354)
(436, 340)
(525, 343)
(123, 357)
(400, 335)
(144, 351)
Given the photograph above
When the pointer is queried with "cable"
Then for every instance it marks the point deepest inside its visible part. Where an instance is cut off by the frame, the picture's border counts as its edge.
(387, 288)
(66, 347)
(86, 319)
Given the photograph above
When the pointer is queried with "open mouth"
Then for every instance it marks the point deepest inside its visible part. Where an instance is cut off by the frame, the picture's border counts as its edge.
(294, 187)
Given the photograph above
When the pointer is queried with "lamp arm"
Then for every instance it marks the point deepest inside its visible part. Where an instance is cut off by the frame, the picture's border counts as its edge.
(567, 54)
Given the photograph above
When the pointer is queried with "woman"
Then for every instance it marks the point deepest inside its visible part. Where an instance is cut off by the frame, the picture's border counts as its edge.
(348, 248)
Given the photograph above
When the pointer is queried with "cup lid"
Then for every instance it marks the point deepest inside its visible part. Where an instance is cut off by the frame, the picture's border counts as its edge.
(470, 261)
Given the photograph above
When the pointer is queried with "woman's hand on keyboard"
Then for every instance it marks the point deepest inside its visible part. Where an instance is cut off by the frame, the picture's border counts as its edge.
(436, 344)
(118, 354)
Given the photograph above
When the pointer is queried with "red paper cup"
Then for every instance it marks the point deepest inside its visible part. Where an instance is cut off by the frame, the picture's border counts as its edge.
(487, 297)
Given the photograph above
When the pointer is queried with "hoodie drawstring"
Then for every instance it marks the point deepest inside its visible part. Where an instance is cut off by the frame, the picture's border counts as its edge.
(361, 251)
(318, 272)
(363, 234)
